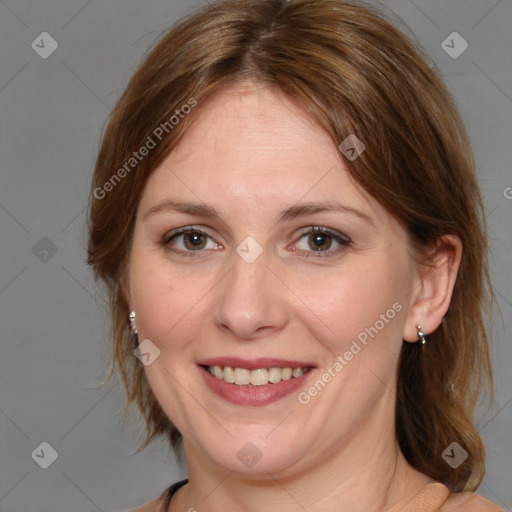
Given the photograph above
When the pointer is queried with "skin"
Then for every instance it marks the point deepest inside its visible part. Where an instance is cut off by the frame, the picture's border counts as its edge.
(249, 154)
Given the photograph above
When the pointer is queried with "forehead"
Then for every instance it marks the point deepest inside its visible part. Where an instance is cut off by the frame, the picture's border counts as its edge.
(256, 144)
(237, 124)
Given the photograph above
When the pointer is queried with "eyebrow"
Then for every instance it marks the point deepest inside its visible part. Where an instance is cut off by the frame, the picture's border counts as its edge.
(289, 213)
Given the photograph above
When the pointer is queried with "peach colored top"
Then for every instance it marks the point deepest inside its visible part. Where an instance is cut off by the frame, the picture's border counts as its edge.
(431, 498)
(437, 498)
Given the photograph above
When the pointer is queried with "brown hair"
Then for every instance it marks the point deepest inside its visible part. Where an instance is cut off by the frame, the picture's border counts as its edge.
(356, 74)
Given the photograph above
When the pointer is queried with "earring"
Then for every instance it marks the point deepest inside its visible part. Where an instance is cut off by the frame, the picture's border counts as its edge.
(133, 326)
(422, 337)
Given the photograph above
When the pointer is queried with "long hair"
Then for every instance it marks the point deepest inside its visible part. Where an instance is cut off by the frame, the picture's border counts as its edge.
(355, 73)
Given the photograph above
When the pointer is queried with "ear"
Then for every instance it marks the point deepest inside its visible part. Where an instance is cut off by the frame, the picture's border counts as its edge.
(433, 288)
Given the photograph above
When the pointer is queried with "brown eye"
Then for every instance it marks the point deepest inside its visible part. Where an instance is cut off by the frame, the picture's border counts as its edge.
(194, 240)
(319, 242)
(322, 242)
(188, 240)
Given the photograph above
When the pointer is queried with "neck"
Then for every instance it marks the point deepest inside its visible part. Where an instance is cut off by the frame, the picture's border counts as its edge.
(360, 477)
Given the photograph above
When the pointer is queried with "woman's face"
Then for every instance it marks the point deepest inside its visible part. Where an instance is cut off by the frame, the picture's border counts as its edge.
(284, 264)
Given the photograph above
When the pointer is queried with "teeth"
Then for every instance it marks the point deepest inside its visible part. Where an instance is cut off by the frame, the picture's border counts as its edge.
(286, 373)
(275, 375)
(297, 372)
(217, 372)
(258, 377)
(229, 374)
(242, 376)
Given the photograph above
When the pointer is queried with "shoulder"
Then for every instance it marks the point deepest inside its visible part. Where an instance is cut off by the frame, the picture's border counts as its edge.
(157, 505)
(437, 498)
(161, 504)
(469, 502)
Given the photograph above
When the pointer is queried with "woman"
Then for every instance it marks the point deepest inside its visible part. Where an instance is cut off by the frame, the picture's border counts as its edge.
(286, 213)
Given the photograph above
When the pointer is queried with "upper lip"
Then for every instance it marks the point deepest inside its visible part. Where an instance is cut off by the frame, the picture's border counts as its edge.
(254, 364)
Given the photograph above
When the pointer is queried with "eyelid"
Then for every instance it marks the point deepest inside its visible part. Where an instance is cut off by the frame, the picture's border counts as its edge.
(165, 241)
(339, 237)
(320, 229)
(343, 240)
(185, 229)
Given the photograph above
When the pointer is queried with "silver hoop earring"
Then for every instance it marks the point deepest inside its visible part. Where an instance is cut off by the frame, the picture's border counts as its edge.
(133, 325)
(422, 337)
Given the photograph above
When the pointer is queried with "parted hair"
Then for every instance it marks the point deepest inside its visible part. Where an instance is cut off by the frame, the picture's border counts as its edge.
(355, 73)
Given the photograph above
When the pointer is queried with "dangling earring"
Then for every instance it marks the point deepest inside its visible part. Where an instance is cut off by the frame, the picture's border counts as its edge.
(133, 327)
(422, 337)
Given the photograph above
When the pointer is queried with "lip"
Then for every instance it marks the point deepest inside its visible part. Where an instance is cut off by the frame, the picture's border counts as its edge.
(255, 396)
(254, 364)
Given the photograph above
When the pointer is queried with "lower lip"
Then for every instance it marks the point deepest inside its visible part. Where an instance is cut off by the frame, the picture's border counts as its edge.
(253, 395)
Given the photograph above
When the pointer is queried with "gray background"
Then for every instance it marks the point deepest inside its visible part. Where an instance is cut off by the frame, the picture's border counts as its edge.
(54, 346)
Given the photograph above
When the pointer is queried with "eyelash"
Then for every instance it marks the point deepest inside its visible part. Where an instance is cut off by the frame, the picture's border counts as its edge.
(343, 240)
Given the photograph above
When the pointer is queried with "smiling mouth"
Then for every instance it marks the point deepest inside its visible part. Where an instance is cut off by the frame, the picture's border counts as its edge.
(256, 377)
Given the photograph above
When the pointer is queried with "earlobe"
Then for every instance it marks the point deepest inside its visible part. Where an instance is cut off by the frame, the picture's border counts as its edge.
(433, 291)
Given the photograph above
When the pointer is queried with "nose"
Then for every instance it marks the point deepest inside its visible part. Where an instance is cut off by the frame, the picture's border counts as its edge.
(251, 300)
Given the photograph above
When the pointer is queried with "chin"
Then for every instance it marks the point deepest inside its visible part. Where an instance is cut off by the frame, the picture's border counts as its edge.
(252, 452)
(255, 463)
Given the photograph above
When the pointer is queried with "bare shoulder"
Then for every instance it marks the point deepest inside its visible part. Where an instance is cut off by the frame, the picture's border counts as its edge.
(469, 502)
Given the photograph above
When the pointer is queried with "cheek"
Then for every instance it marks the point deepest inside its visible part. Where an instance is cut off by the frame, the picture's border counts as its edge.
(358, 304)
(173, 303)
(161, 298)
(337, 306)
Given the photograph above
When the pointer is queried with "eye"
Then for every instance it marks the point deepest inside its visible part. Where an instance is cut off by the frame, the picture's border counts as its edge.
(188, 239)
(319, 242)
